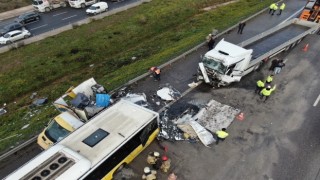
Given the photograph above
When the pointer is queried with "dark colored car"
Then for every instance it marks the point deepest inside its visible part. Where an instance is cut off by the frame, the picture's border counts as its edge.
(27, 18)
(11, 27)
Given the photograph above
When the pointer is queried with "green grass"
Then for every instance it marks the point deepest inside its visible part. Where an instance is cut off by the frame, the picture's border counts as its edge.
(153, 32)
(7, 5)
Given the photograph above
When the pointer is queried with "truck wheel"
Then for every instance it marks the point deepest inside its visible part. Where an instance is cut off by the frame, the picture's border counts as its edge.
(25, 36)
(83, 5)
(47, 9)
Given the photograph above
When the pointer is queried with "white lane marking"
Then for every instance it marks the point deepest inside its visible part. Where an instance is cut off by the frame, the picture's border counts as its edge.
(294, 14)
(59, 14)
(69, 17)
(317, 100)
(39, 27)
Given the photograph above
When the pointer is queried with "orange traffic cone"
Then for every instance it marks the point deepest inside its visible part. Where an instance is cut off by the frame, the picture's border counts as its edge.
(305, 49)
(240, 117)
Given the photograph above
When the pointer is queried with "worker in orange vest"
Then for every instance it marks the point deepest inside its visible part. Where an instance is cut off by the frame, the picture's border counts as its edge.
(156, 73)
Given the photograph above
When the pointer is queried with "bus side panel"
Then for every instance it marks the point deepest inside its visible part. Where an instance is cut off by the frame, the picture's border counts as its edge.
(132, 155)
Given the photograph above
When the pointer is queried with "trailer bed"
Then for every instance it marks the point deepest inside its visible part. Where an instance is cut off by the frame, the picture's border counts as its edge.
(275, 39)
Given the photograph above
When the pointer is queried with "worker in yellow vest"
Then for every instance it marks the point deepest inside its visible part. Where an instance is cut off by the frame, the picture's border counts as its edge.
(269, 80)
(271, 7)
(221, 135)
(283, 5)
(260, 86)
(275, 8)
(266, 92)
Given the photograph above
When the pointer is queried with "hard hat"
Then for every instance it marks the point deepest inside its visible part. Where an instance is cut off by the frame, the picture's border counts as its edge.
(164, 158)
(268, 87)
(210, 34)
(156, 154)
(146, 170)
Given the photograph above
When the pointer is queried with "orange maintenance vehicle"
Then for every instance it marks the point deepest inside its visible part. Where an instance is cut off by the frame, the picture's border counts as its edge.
(311, 11)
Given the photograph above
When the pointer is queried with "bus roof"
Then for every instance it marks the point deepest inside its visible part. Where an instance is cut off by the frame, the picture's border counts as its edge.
(90, 144)
(107, 131)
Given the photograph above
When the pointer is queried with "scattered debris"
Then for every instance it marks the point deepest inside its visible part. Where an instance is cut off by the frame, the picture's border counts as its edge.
(33, 95)
(40, 101)
(168, 130)
(194, 84)
(2, 111)
(139, 99)
(194, 123)
(168, 93)
(215, 116)
(25, 126)
(205, 136)
(91, 65)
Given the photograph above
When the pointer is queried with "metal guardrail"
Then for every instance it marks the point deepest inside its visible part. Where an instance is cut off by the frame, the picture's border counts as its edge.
(145, 74)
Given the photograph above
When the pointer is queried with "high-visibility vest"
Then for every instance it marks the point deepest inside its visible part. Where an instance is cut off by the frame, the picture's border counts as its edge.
(272, 5)
(275, 7)
(282, 6)
(266, 92)
(260, 83)
(222, 134)
(269, 79)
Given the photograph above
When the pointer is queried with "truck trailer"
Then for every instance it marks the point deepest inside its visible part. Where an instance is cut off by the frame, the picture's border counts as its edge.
(228, 62)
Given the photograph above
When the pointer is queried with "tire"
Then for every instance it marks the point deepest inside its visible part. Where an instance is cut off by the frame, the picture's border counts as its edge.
(9, 42)
(64, 5)
(37, 18)
(83, 5)
(25, 36)
(47, 9)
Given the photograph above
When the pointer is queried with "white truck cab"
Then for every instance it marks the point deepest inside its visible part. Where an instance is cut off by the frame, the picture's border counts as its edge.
(225, 63)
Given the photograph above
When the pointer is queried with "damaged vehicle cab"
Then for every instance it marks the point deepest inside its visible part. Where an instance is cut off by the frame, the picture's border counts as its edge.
(224, 64)
(58, 128)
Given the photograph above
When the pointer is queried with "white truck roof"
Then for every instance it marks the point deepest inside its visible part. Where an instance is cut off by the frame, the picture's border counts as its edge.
(227, 53)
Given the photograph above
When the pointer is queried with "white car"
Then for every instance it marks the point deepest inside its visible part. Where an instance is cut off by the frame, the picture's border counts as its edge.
(14, 36)
(97, 8)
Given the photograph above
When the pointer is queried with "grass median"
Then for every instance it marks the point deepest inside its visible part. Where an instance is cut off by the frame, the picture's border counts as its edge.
(154, 33)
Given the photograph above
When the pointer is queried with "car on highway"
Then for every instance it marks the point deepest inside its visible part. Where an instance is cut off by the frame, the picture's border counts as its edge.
(11, 27)
(28, 17)
(97, 8)
(15, 35)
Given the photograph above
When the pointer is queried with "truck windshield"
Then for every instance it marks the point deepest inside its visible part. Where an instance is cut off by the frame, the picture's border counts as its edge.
(215, 65)
(55, 132)
(36, 2)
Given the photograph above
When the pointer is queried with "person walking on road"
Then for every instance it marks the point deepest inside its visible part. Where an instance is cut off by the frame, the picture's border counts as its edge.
(221, 135)
(153, 157)
(279, 66)
(266, 92)
(242, 24)
(166, 163)
(260, 86)
(275, 8)
(149, 174)
(281, 8)
(271, 7)
(273, 64)
(269, 80)
(156, 73)
(211, 43)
